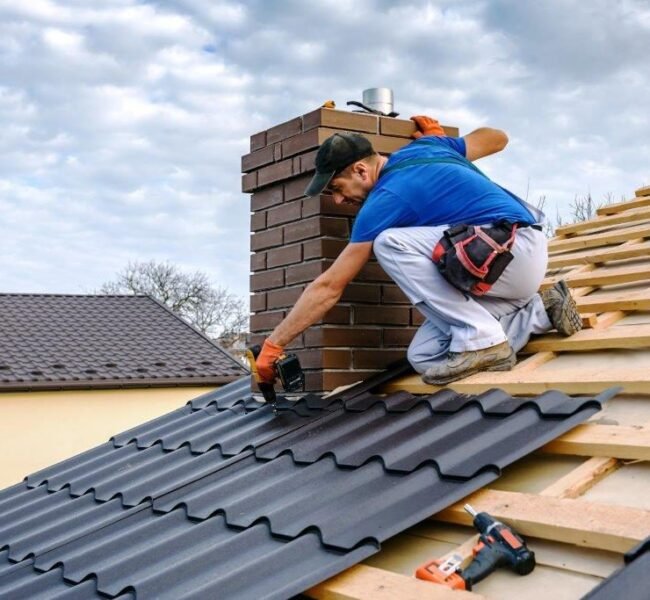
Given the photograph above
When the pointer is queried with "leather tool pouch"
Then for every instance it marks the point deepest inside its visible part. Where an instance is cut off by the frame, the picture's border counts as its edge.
(472, 257)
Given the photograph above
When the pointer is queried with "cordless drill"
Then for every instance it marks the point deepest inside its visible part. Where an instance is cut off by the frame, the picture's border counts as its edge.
(288, 370)
(498, 545)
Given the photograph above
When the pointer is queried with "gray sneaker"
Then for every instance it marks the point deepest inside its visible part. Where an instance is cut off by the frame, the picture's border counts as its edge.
(561, 308)
(461, 364)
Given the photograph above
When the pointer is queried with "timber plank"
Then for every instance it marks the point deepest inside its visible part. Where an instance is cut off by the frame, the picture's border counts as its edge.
(600, 239)
(638, 202)
(574, 521)
(579, 381)
(363, 582)
(600, 256)
(582, 478)
(627, 303)
(599, 277)
(616, 441)
(637, 215)
(644, 191)
(592, 339)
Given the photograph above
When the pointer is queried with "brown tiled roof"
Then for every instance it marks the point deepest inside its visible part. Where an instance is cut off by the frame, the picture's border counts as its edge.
(91, 341)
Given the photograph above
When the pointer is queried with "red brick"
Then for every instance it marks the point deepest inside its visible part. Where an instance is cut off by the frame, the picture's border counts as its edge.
(256, 338)
(340, 119)
(257, 159)
(267, 280)
(323, 248)
(296, 187)
(306, 272)
(290, 211)
(267, 198)
(277, 151)
(300, 143)
(266, 239)
(307, 163)
(278, 257)
(258, 221)
(275, 172)
(401, 336)
(286, 297)
(376, 358)
(325, 358)
(373, 272)
(266, 321)
(381, 315)
(337, 315)
(316, 227)
(391, 294)
(360, 292)
(284, 130)
(325, 205)
(249, 182)
(258, 302)
(258, 141)
(417, 318)
(342, 336)
(258, 261)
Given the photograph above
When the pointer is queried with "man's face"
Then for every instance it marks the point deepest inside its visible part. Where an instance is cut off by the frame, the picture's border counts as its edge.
(352, 186)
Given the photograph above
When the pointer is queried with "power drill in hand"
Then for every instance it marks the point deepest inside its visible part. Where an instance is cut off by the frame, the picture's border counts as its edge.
(288, 370)
(498, 545)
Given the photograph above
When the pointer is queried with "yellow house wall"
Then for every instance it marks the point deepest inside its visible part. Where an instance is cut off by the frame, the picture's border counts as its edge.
(38, 429)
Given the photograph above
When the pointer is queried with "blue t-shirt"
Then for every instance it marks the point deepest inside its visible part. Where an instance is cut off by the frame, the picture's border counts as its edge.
(433, 194)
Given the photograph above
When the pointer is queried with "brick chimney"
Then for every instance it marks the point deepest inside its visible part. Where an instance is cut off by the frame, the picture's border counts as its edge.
(294, 239)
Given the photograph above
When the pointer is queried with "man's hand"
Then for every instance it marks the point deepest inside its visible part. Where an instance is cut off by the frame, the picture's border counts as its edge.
(266, 361)
(426, 126)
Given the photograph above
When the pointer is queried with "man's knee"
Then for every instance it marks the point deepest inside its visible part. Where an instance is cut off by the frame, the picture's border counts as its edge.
(383, 244)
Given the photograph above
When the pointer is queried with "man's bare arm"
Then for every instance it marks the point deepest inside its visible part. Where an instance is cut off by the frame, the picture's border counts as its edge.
(483, 142)
(323, 293)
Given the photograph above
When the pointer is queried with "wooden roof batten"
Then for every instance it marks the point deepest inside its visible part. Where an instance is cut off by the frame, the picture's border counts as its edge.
(558, 512)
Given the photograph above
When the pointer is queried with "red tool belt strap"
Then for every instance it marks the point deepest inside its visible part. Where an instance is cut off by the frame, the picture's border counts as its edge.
(472, 257)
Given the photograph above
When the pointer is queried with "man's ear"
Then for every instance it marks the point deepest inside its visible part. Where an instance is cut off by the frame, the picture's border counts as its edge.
(361, 169)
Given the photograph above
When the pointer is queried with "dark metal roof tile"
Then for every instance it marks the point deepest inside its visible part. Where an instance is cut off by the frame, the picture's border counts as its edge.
(168, 557)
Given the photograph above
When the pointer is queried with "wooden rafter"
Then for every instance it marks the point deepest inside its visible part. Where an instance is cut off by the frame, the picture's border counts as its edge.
(576, 521)
(616, 441)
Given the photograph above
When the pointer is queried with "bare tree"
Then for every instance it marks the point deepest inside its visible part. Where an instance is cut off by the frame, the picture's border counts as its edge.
(211, 309)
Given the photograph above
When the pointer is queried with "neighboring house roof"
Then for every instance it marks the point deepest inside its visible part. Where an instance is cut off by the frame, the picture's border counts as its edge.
(52, 341)
(223, 498)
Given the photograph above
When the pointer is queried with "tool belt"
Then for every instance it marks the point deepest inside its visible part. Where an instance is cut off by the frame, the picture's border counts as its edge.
(473, 257)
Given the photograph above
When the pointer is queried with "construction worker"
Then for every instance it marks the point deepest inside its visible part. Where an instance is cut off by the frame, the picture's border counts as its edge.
(407, 202)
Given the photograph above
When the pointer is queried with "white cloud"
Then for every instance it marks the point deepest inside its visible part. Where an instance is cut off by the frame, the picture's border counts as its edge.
(123, 122)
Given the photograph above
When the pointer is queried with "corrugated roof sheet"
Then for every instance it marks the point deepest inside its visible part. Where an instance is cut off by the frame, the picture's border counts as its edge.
(222, 498)
(64, 341)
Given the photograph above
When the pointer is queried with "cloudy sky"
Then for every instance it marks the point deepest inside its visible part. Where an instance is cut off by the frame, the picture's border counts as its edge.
(122, 122)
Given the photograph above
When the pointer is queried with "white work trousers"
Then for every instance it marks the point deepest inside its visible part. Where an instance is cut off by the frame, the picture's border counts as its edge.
(455, 321)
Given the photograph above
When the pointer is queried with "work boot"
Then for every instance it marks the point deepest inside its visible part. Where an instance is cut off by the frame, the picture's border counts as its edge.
(461, 364)
(561, 308)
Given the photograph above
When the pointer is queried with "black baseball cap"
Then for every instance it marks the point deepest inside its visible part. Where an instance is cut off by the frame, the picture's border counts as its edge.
(336, 153)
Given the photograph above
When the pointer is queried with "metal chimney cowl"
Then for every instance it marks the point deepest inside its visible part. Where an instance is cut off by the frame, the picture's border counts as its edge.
(380, 99)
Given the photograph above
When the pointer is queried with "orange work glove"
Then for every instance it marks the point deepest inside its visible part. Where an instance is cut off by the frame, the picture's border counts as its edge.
(426, 126)
(266, 360)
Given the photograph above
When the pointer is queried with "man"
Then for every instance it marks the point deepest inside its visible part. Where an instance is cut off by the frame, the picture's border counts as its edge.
(406, 203)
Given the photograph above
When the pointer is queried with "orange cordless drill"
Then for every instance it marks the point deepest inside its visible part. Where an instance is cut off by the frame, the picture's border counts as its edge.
(498, 546)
